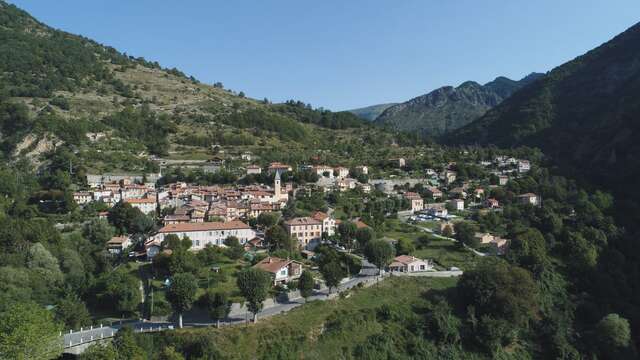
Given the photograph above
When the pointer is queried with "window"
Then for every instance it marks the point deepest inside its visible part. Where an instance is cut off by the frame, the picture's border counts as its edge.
(421, 267)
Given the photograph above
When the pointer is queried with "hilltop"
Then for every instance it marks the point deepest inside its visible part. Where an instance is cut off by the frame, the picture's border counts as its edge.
(449, 108)
(115, 111)
(371, 112)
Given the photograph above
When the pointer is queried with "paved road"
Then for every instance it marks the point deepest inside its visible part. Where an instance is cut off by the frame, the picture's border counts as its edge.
(368, 274)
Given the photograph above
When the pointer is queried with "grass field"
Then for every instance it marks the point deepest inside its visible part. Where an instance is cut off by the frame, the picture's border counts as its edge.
(322, 329)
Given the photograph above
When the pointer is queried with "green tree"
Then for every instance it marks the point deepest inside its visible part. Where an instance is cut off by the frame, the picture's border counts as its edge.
(254, 285)
(126, 346)
(170, 353)
(364, 235)
(72, 312)
(27, 331)
(267, 219)
(98, 232)
(465, 234)
(218, 305)
(613, 335)
(332, 272)
(99, 352)
(380, 253)
(347, 231)
(278, 239)
(234, 249)
(443, 324)
(118, 290)
(404, 246)
(305, 284)
(182, 293)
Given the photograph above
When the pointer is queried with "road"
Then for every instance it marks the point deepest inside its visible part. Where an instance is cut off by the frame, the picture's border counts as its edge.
(368, 274)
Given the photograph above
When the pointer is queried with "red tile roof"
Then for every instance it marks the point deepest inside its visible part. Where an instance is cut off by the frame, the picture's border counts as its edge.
(204, 226)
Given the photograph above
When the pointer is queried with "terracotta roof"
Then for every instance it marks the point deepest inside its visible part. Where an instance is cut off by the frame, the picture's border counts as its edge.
(360, 224)
(141, 201)
(527, 195)
(117, 240)
(272, 264)
(204, 226)
(406, 259)
(303, 221)
(319, 215)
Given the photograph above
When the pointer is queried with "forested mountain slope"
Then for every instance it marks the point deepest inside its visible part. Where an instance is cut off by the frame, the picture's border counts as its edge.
(56, 88)
(448, 108)
(584, 114)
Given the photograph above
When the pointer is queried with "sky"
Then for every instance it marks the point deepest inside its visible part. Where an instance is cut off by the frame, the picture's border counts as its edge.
(344, 54)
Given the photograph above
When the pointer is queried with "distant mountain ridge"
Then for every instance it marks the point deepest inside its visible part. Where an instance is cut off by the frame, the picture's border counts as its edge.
(370, 113)
(448, 108)
(584, 115)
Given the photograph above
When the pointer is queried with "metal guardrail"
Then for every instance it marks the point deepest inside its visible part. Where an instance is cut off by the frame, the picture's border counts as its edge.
(91, 334)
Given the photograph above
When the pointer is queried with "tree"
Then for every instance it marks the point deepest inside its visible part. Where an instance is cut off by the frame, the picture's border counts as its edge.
(364, 235)
(305, 284)
(423, 241)
(447, 231)
(332, 272)
(170, 353)
(72, 312)
(499, 290)
(465, 234)
(218, 305)
(99, 351)
(404, 247)
(267, 219)
(182, 293)
(234, 249)
(119, 291)
(613, 334)
(278, 239)
(126, 346)
(98, 232)
(380, 253)
(254, 285)
(27, 331)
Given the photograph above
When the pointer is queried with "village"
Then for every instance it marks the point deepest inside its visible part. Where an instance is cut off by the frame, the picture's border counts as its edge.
(284, 226)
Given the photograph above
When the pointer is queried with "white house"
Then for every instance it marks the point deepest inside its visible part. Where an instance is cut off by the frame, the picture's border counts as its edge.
(524, 166)
(416, 202)
(145, 205)
(529, 198)
(363, 169)
(253, 169)
(205, 233)
(328, 223)
(282, 270)
(409, 264)
(342, 172)
(457, 204)
(118, 243)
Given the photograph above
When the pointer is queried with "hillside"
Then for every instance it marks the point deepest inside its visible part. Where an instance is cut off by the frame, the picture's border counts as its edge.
(114, 111)
(370, 113)
(449, 108)
(583, 114)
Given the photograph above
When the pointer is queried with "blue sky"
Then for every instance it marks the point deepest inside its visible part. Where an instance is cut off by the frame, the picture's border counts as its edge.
(342, 54)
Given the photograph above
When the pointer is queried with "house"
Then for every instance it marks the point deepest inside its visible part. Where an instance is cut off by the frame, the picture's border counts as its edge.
(208, 233)
(363, 169)
(483, 238)
(503, 180)
(449, 176)
(255, 244)
(246, 156)
(254, 170)
(345, 184)
(456, 204)
(399, 162)
(524, 166)
(278, 167)
(118, 243)
(82, 197)
(323, 171)
(282, 271)
(176, 219)
(152, 247)
(415, 201)
(342, 172)
(529, 198)
(307, 230)
(366, 188)
(434, 192)
(437, 210)
(409, 264)
(478, 192)
(491, 203)
(500, 245)
(458, 192)
(328, 223)
(146, 205)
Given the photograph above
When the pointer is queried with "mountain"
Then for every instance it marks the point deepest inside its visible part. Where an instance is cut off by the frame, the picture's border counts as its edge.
(370, 113)
(449, 108)
(58, 89)
(584, 114)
